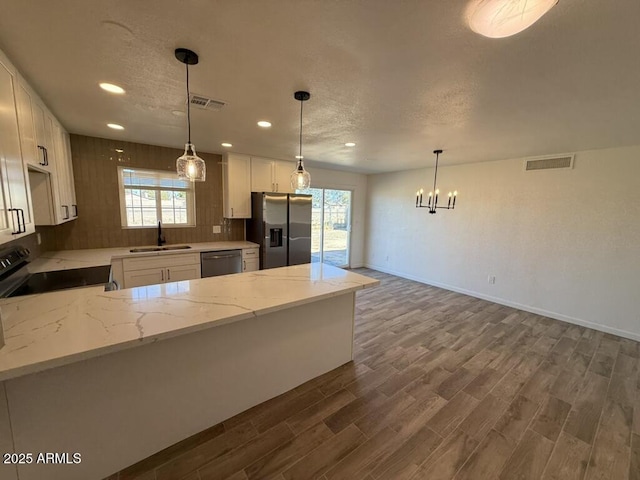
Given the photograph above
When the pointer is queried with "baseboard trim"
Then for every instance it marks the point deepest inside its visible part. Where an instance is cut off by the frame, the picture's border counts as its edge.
(508, 303)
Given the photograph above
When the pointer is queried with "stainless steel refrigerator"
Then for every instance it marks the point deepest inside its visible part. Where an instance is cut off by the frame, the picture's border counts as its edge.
(281, 224)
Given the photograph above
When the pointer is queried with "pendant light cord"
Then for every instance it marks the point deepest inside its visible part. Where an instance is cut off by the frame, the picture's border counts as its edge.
(188, 105)
(300, 159)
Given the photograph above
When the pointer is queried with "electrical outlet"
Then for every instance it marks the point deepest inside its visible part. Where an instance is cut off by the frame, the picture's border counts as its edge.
(217, 229)
(491, 279)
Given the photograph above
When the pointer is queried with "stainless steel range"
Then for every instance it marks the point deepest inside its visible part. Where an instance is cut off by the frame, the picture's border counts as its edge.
(15, 279)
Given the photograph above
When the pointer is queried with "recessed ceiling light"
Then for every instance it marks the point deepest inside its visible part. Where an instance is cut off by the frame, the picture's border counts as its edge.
(178, 113)
(111, 88)
(349, 144)
(115, 126)
(119, 150)
(264, 124)
(226, 145)
(299, 157)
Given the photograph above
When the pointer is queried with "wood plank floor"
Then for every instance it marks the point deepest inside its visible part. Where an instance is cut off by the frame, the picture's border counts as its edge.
(443, 386)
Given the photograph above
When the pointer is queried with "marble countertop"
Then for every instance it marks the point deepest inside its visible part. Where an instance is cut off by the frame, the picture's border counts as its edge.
(68, 259)
(58, 328)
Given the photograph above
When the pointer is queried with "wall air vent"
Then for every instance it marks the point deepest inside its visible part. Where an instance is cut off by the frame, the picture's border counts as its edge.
(205, 103)
(546, 163)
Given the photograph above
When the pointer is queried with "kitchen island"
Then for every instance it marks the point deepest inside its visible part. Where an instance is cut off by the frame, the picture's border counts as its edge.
(117, 376)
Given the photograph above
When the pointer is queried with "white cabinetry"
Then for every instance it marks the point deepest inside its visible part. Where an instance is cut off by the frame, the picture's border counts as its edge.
(236, 186)
(250, 260)
(282, 175)
(271, 175)
(67, 208)
(16, 214)
(141, 271)
(46, 154)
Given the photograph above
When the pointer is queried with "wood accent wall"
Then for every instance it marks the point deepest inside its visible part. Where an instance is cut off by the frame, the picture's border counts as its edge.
(95, 163)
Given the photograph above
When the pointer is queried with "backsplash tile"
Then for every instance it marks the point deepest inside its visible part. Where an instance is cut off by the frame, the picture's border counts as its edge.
(95, 163)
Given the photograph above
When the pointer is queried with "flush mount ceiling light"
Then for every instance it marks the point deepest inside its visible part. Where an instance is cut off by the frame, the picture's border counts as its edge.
(503, 18)
(349, 144)
(264, 124)
(432, 203)
(111, 88)
(300, 178)
(226, 145)
(115, 126)
(189, 166)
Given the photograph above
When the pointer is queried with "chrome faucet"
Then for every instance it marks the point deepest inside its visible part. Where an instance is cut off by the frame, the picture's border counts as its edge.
(161, 239)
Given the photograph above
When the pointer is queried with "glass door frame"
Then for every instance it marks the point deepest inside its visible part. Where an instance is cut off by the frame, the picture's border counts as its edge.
(349, 226)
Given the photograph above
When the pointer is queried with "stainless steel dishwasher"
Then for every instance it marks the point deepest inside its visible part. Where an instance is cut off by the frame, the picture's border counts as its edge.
(221, 262)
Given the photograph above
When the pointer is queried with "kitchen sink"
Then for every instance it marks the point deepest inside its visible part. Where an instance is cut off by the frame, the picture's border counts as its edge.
(159, 249)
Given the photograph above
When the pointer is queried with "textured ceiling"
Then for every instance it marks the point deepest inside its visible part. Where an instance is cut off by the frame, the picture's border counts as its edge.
(399, 78)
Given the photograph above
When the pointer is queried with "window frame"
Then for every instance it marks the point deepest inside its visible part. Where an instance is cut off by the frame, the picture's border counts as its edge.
(191, 198)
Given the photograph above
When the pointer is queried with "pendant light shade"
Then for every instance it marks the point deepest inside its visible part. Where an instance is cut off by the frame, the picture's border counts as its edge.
(503, 18)
(189, 166)
(300, 178)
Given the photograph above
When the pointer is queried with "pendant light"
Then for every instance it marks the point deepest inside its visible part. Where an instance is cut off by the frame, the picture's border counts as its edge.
(432, 202)
(189, 166)
(503, 18)
(300, 178)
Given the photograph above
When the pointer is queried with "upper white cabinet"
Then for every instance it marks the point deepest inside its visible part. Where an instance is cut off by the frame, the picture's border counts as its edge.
(16, 214)
(282, 174)
(30, 154)
(46, 154)
(262, 175)
(67, 208)
(44, 136)
(271, 175)
(236, 185)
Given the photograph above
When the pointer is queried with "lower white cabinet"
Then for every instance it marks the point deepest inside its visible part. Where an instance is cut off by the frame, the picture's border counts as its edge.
(250, 260)
(140, 278)
(141, 271)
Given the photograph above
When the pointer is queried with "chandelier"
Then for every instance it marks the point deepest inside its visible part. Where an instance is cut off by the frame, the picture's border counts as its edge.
(432, 201)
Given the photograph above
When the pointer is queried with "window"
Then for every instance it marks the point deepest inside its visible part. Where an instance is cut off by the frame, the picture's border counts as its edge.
(150, 196)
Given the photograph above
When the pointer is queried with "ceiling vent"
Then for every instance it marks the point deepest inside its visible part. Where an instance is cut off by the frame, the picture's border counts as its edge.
(546, 163)
(205, 103)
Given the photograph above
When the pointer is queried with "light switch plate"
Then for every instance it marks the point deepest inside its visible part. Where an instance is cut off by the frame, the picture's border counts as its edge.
(217, 229)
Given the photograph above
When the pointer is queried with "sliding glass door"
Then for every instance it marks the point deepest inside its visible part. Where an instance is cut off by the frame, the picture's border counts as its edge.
(330, 226)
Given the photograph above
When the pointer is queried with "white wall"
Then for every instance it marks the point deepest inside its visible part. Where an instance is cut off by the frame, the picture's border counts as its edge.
(562, 243)
(356, 182)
